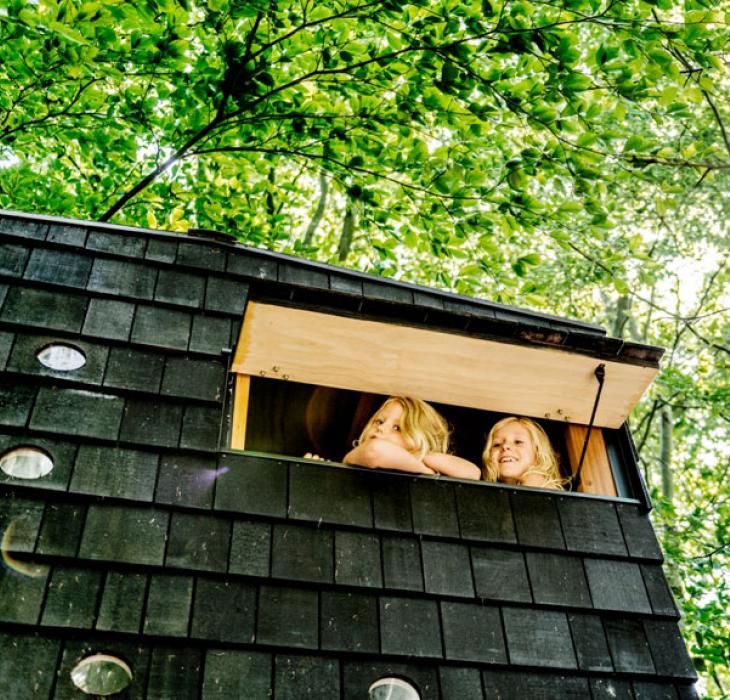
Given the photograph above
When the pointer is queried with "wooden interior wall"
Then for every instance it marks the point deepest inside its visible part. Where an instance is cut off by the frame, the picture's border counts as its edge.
(596, 476)
(240, 412)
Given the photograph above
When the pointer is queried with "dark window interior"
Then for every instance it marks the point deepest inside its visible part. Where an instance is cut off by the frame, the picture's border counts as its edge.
(620, 455)
(292, 419)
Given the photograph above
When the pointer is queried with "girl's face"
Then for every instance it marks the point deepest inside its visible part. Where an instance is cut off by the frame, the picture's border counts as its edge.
(386, 425)
(512, 452)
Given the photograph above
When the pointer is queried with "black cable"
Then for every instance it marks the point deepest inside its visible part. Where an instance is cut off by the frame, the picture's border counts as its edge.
(600, 373)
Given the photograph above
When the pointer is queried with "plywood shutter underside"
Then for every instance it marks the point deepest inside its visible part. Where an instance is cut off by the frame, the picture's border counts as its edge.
(382, 358)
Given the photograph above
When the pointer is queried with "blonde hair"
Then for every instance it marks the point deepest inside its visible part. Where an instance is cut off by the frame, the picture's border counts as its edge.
(423, 428)
(546, 460)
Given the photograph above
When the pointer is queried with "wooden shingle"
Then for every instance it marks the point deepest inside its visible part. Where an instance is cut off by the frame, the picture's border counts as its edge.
(302, 553)
(44, 309)
(13, 259)
(358, 559)
(538, 638)
(169, 601)
(402, 568)
(288, 617)
(319, 494)
(349, 621)
(58, 267)
(249, 485)
(410, 626)
(223, 610)
(232, 674)
(128, 246)
(122, 602)
(434, 508)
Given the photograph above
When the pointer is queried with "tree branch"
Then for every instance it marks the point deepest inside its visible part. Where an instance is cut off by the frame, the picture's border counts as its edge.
(148, 179)
(314, 23)
(636, 158)
(693, 72)
(712, 553)
(50, 115)
(649, 420)
(319, 211)
(706, 341)
(330, 159)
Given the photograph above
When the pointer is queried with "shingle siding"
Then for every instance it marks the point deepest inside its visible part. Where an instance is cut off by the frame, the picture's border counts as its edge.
(222, 575)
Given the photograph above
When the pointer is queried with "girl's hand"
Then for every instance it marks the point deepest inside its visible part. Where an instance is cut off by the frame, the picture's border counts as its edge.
(311, 455)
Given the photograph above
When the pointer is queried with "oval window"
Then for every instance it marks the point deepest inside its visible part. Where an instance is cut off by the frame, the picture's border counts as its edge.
(61, 357)
(101, 674)
(26, 463)
(392, 689)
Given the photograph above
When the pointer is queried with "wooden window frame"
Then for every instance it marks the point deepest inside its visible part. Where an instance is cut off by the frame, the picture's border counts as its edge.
(300, 339)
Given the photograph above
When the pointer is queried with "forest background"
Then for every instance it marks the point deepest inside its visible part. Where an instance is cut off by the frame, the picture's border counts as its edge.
(570, 156)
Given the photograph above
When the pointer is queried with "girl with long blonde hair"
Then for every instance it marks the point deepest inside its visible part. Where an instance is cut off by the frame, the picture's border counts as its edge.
(518, 451)
(407, 434)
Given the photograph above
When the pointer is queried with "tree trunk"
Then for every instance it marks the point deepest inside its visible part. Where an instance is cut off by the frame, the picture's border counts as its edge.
(348, 228)
(623, 308)
(319, 211)
(624, 321)
(270, 207)
(665, 453)
(649, 312)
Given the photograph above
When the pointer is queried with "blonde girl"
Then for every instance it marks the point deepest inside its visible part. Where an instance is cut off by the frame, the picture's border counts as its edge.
(409, 435)
(518, 451)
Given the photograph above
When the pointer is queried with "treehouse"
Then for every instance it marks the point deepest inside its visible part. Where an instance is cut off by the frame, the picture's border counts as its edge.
(164, 537)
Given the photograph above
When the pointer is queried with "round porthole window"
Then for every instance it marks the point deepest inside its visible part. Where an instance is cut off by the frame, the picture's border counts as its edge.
(101, 674)
(392, 689)
(26, 463)
(61, 357)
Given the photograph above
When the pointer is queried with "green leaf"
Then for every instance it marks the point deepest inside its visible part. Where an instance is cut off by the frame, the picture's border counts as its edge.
(636, 143)
(517, 179)
(68, 33)
(570, 208)
(545, 113)
(531, 259)
(575, 82)
(449, 73)
(621, 286)
(661, 56)
(28, 16)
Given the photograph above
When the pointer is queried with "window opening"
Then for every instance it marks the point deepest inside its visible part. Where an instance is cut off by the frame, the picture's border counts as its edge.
(101, 674)
(392, 689)
(26, 463)
(290, 418)
(61, 357)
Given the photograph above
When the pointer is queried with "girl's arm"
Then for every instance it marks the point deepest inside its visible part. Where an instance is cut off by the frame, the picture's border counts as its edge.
(451, 465)
(377, 453)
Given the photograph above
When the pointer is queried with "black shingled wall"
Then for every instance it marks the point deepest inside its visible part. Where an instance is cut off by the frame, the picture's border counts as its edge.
(224, 575)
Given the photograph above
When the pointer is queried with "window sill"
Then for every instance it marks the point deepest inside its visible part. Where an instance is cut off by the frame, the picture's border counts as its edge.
(394, 473)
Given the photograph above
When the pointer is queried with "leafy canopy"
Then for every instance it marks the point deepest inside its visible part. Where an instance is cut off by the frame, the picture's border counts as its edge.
(569, 155)
(452, 125)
